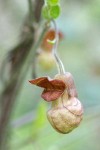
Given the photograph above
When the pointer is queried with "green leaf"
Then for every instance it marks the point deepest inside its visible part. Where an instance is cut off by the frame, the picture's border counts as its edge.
(54, 11)
(52, 2)
(46, 12)
(41, 116)
(51, 12)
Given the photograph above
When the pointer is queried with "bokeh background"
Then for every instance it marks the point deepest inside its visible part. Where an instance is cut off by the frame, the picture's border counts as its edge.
(80, 53)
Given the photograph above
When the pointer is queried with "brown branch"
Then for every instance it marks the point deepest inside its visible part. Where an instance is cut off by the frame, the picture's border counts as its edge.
(38, 7)
(17, 58)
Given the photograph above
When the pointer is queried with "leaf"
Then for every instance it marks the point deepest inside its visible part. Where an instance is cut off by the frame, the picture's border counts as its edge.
(51, 12)
(45, 12)
(40, 121)
(52, 2)
(54, 11)
(41, 117)
(53, 89)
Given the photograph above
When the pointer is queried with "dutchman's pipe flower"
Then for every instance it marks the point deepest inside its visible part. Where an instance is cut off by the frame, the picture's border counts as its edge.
(66, 111)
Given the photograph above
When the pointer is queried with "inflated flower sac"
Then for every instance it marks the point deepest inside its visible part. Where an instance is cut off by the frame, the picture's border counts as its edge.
(46, 60)
(66, 111)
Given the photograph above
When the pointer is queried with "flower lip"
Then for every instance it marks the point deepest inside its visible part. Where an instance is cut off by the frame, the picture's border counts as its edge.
(53, 88)
(50, 35)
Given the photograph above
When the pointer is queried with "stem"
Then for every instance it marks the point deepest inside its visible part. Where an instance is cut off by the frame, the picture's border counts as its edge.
(32, 54)
(12, 89)
(23, 53)
(60, 65)
(30, 6)
(31, 14)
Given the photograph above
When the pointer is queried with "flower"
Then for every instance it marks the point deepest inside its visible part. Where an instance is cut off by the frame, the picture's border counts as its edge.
(46, 60)
(66, 111)
(50, 35)
(53, 88)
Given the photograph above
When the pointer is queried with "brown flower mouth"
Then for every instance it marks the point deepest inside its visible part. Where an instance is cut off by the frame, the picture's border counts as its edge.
(46, 46)
(53, 88)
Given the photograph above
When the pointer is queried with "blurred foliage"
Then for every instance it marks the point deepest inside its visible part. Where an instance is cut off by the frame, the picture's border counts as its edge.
(80, 52)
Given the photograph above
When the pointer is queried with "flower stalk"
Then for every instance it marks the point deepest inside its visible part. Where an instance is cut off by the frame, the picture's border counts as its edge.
(59, 63)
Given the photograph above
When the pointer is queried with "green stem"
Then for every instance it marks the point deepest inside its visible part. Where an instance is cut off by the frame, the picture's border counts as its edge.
(60, 65)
